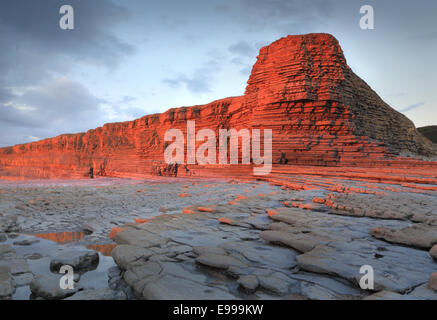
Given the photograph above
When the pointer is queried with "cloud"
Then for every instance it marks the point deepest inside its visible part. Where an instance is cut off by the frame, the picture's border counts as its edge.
(242, 48)
(244, 54)
(36, 26)
(200, 81)
(49, 109)
(56, 107)
(286, 16)
(412, 107)
(36, 99)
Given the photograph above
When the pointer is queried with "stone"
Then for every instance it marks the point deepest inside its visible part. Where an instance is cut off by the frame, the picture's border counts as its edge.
(33, 256)
(78, 259)
(16, 264)
(25, 242)
(163, 288)
(5, 249)
(418, 235)
(138, 276)
(98, 294)
(23, 279)
(386, 295)
(140, 238)
(91, 226)
(124, 255)
(8, 224)
(48, 287)
(219, 261)
(279, 284)
(422, 292)
(248, 283)
(302, 242)
(262, 254)
(392, 271)
(314, 291)
(199, 250)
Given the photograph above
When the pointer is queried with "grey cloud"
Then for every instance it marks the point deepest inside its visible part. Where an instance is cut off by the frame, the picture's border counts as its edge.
(201, 79)
(34, 48)
(286, 16)
(127, 99)
(49, 109)
(35, 101)
(56, 104)
(23, 22)
(244, 54)
(242, 48)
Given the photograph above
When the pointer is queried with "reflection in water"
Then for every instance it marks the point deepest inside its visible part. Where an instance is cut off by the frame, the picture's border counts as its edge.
(104, 249)
(61, 237)
(72, 237)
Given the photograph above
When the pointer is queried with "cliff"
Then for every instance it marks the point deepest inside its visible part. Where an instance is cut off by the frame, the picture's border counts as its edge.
(301, 87)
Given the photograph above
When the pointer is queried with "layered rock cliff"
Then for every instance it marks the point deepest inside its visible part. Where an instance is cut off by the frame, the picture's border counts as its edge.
(301, 87)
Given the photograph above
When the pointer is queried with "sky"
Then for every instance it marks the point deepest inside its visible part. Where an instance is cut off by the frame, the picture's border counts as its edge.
(128, 58)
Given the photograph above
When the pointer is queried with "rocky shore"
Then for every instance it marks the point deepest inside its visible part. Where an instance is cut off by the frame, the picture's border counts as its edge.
(186, 239)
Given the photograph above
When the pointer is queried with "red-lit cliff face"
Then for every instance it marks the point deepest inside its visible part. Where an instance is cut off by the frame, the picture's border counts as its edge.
(320, 113)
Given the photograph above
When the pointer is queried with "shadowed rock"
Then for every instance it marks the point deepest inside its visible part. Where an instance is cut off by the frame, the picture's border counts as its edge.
(80, 260)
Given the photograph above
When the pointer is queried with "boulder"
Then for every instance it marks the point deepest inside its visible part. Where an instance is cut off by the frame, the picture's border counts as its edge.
(7, 284)
(396, 268)
(48, 287)
(248, 283)
(80, 260)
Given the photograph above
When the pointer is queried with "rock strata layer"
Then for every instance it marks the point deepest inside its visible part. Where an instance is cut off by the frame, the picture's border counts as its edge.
(301, 88)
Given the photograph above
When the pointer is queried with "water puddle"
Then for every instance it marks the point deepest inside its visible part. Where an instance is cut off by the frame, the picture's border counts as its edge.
(104, 249)
(61, 237)
(39, 254)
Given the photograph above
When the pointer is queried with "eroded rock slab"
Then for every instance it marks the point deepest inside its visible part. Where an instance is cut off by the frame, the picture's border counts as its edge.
(419, 235)
(48, 287)
(7, 284)
(78, 259)
(126, 254)
(164, 288)
(219, 261)
(98, 294)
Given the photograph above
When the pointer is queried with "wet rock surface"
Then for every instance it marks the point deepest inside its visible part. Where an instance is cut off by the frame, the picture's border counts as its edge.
(7, 284)
(98, 294)
(48, 287)
(419, 235)
(228, 240)
(79, 260)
